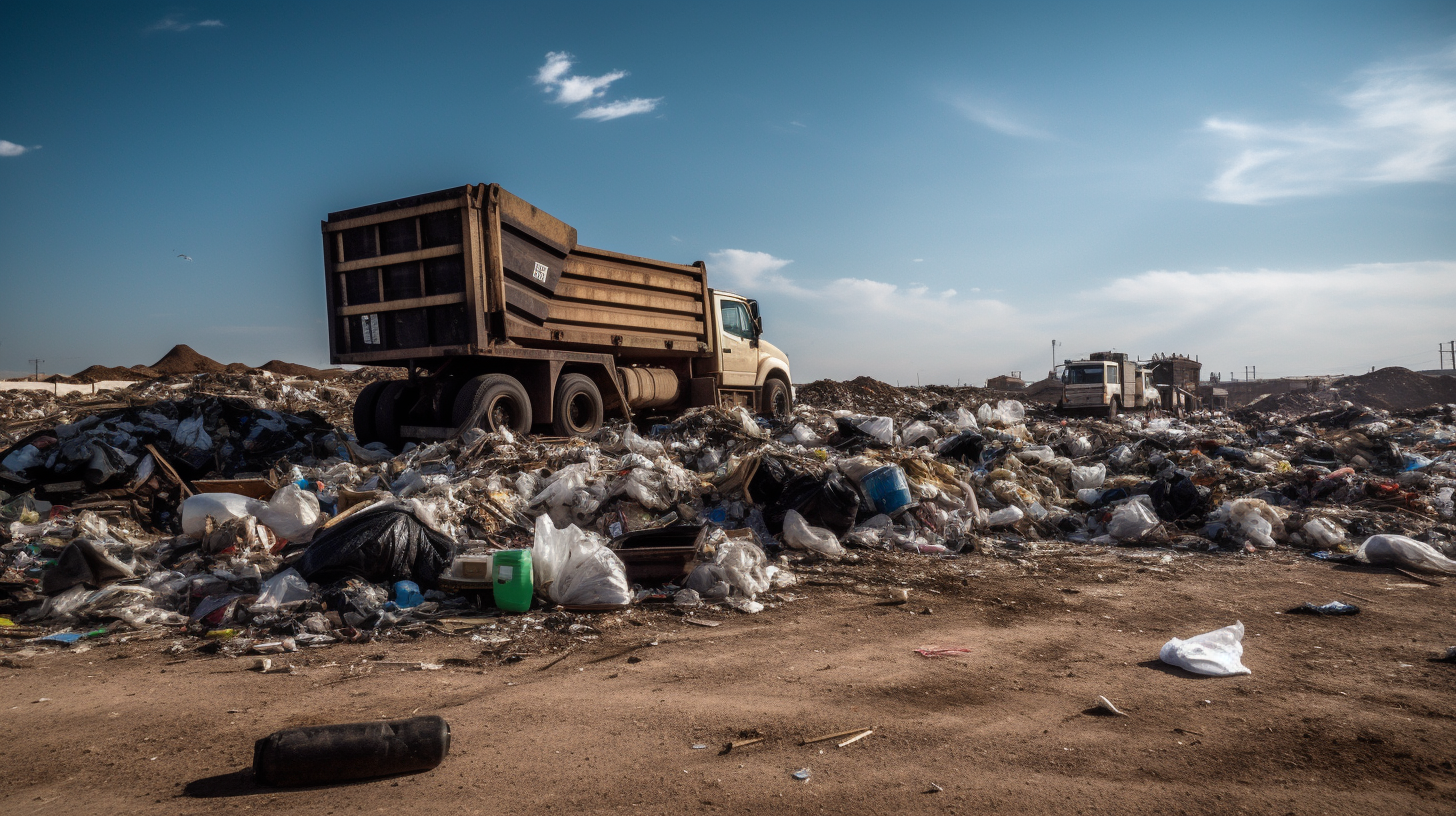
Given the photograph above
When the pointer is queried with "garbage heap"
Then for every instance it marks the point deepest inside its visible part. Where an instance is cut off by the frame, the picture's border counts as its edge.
(175, 510)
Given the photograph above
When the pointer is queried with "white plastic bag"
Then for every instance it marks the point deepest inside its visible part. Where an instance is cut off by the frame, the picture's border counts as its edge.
(1089, 477)
(917, 431)
(1036, 454)
(1217, 654)
(220, 506)
(1324, 533)
(1089, 495)
(881, 428)
(292, 514)
(805, 436)
(801, 536)
(575, 568)
(285, 587)
(1011, 411)
(1132, 520)
(1405, 552)
(1005, 516)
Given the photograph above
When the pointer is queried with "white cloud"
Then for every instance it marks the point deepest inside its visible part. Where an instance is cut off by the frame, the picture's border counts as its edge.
(616, 110)
(999, 121)
(1399, 127)
(750, 270)
(12, 149)
(571, 89)
(173, 23)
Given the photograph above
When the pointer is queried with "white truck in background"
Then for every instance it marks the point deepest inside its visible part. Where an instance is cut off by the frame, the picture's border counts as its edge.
(1107, 383)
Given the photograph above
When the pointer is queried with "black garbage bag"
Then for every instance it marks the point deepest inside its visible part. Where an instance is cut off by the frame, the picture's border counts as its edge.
(380, 546)
(966, 447)
(826, 501)
(1177, 499)
(767, 484)
(83, 561)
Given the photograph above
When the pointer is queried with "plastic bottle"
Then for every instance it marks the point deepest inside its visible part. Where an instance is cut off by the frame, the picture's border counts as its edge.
(325, 754)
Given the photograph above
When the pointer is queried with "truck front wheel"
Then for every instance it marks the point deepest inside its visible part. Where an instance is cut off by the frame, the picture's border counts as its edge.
(577, 409)
(776, 400)
(493, 402)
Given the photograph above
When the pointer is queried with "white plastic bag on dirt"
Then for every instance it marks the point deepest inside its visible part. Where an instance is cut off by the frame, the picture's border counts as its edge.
(747, 424)
(1079, 446)
(801, 536)
(1036, 454)
(1011, 411)
(636, 443)
(285, 587)
(965, 420)
(220, 506)
(1089, 495)
(1404, 552)
(559, 489)
(575, 568)
(1089, 477)
(881, 428)
(1255, 520)
(1324, 533)
(1217, 654)
(1121, 456)
(918, 431)
(292, 514)
(191, 435)
(1132, 520)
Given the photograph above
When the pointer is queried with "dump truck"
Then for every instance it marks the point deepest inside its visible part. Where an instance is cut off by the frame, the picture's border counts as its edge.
(1107, 383)
(501, 320)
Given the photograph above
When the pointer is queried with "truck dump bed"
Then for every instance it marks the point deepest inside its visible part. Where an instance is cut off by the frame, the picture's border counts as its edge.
(466, 270)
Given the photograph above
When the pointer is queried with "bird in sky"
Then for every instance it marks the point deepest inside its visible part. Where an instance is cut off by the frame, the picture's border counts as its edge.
(185, 257)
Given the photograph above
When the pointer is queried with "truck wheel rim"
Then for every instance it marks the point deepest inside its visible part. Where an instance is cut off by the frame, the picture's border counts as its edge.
(502, 413)
(580, 412)
(780, 403)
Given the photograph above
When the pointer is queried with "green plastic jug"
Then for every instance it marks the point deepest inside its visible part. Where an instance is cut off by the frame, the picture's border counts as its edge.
(511, 580)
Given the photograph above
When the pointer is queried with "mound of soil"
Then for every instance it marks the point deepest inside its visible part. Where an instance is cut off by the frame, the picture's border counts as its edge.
(100, 373)
(290, 369)
(182, 359)
(1396, 389)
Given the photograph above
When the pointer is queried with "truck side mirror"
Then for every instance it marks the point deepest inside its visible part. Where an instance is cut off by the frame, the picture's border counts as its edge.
(757, 321)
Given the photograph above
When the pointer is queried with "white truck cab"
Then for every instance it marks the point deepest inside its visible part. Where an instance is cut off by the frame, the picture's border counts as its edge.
(1107, 382)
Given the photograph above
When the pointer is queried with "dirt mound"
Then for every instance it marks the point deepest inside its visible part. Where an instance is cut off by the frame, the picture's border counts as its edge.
(860, 393)
(100, 373)
(182, 359)
(290, 369)
(1396, 389)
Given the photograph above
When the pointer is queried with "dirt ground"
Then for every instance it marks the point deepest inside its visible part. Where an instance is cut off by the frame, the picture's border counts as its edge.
(1340, 715)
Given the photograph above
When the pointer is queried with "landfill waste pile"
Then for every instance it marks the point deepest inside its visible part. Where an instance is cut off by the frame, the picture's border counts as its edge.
(236, 512)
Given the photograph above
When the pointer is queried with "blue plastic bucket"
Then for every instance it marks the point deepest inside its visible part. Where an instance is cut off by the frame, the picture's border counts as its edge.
(888, 489)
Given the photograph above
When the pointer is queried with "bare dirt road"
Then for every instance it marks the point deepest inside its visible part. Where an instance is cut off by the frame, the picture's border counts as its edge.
(1340, 715)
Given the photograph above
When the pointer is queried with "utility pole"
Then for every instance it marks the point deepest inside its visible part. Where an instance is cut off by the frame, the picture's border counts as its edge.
(1054, 358)
(36, 363)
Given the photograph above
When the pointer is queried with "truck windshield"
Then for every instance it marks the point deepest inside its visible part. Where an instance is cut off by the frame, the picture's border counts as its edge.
(1083, 374)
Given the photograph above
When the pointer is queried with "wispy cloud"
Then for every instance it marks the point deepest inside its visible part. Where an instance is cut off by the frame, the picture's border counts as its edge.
(1398, 126)
(13, 149)
(569, 89)
(173, 23)
(989, 116)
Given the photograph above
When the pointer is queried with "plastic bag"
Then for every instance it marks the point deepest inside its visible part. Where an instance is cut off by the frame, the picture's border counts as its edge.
(83, 562)
(1132, 520)
(916, 432)
(1325, 534)
(881, 428)
(575, 568)
(827, 501)
(746, 423)
(285, 587)
(1089, 495)
(1005, 516)
(380, 545)
(1079, 446)
(1089, 477)
(292, 514)
(799, 535)
(1011, 411)
(636, 443)
(965, 420)
(1121, 456)
(805, 436)
(1036, 454)
(966, 447)
(220, 506)
(1217, 654)
(1405, 552)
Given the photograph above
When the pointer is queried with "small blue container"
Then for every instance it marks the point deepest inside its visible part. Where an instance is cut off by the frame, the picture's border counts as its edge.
(407, 594)
(888, 489)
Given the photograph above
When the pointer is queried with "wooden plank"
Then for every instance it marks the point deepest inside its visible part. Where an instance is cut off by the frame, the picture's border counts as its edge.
(582, 268)
(625, 320)
(525, 302)
(638, 260)
(603, 294)
(399, 257)
(394, 215)
(396, 305)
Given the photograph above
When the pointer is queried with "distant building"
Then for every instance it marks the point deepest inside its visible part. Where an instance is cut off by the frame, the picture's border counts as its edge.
(1176, 369)
(1006, 382)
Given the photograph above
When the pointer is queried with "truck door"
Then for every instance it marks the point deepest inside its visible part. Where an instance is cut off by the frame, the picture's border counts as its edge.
(735, 330)
(1129, 385)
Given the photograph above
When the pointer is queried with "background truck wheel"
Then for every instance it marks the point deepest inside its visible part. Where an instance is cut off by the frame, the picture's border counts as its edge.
(389, 413)
(493, 402)
(776, 399)
(1112, 407)
(577, 409)
(364, 412)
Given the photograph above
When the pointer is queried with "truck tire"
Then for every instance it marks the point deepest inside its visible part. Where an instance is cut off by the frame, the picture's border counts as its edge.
(1112, 408)
(389, 414)
(777, 400)
(364, 406)
(493, 402)
(577, 408)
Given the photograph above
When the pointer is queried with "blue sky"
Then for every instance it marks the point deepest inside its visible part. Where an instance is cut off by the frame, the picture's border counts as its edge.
(931, 190)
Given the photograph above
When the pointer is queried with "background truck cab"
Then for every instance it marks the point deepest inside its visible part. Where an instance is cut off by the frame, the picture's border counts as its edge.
(1107, 382)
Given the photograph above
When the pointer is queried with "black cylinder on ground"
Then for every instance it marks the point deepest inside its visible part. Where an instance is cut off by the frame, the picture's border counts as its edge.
(323, 754)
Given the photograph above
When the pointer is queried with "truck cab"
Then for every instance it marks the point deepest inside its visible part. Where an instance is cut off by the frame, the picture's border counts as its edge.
(1107, 382)
(751, 371)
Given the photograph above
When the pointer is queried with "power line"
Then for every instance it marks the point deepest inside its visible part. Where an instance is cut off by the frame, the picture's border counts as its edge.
(36, 363)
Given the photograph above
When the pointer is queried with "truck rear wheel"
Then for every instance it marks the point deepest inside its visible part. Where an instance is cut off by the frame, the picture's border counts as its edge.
(389, 412)
(493, 402)
(577, 409)
(364, 406)
(776, 399)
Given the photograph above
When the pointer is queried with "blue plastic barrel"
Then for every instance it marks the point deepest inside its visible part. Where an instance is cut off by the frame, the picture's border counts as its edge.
(888, 489)
(407, 594)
